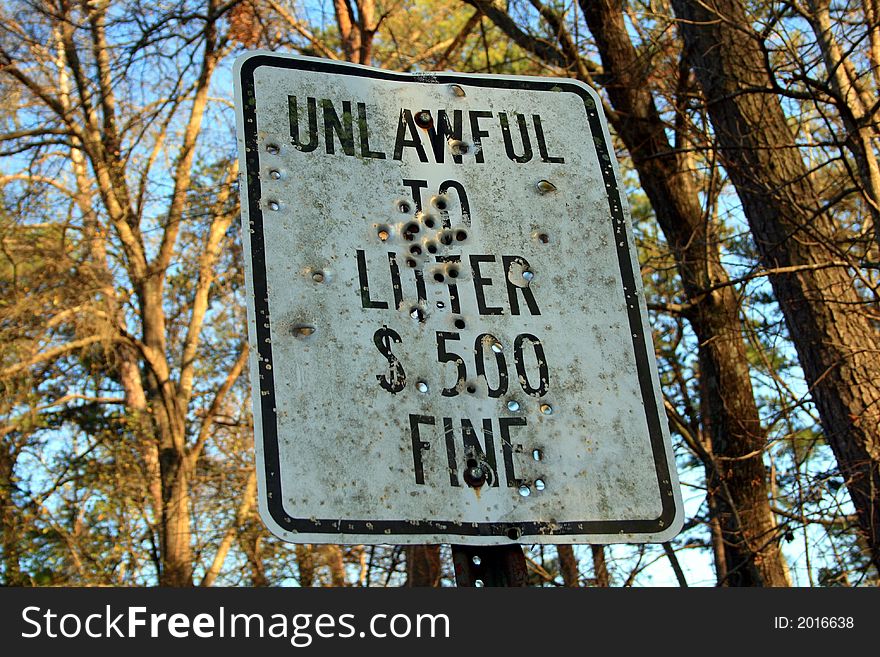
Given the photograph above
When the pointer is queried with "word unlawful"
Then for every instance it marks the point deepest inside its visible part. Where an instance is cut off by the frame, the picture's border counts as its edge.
(429, 135)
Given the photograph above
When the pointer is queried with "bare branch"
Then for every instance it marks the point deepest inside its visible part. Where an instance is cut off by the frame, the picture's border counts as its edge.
(208, 420)
(248, 498)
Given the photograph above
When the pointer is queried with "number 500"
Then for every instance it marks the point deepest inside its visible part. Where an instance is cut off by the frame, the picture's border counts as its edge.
(488, 342)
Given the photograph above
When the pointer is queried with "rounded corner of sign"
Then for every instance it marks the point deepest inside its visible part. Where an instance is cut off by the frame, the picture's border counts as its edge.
(267, 515)
(249, 61)
(582, 88)
(673, 527)
(272, 524)
(242, 59)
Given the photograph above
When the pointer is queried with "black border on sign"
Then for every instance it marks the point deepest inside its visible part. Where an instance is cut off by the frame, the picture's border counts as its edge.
(516, 531)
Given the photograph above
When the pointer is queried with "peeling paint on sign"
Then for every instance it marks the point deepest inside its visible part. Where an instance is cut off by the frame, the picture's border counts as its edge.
(449, 340)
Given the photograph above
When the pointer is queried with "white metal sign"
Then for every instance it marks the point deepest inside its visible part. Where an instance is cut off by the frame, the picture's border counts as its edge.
(449, 340)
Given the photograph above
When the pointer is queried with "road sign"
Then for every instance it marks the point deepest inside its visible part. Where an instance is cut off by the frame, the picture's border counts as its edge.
(449, 338)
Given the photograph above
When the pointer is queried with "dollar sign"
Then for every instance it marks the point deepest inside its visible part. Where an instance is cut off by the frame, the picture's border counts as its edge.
(395, 380)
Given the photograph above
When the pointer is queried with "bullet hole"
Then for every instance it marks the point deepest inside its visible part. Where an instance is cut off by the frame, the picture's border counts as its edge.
(404, 207)
(417, 313)
(458, 147)
(429, 222)
(424, 119)
(545, 187)
(273, 149)
(439, 278)
(471, 388)
(303, 330)
(546, 409)
(440, 203)
(318, 276)
(446, 238)
(459, 92)
(459, 323)
(415, 249)
(524, 491)
(273, 205)
(452, 273)
(421, 386)
(513, 405)
(274, 174)
(441, 305)
(410, 230)
(460, 235)
(476, 560)
(514, 532)
(537, 454)
(411, 263)
(543, 238)
(474, 476)
(431, 247)
(383, 233)
(478, 583)
(540, 485)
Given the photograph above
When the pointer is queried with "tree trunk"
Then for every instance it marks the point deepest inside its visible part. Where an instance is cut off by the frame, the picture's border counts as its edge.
(258, 570)
(423, 565)
(825, 315)
(600, 568)
(305, 561)
(568, 566)
(854, 106)
(175, 527)
(11, 540)
(737, 481)
(335, 564)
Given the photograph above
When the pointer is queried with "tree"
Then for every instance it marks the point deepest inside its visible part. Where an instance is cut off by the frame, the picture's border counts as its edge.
(71, 61)
(828, 312)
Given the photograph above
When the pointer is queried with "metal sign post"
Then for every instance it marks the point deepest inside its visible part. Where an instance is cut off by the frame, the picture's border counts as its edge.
(449, 338)
(489, 565)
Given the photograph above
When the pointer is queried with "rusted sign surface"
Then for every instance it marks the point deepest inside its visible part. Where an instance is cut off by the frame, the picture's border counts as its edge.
(449, 340)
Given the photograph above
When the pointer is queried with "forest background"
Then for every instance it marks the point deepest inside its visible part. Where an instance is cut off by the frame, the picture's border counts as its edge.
(748, 136)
